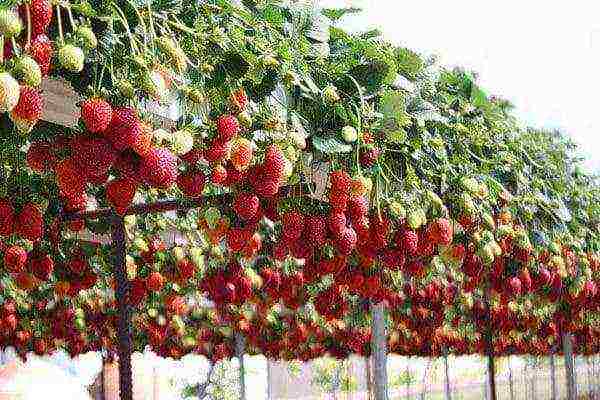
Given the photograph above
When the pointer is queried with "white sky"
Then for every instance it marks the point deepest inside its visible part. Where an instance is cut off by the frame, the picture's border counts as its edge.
(543, 56)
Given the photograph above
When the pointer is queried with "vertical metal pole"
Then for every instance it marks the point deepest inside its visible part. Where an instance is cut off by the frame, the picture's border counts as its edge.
(534, 379)
(269, 378)
(122, 294)
(491, 368)
(379, 350)
(589, 376)
(368, 366)
(553, 377)
(510, 379)
(447, 380)
(240, 348)
(568, 350)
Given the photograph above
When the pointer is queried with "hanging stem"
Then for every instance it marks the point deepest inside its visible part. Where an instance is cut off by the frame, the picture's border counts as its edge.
(1, 49)
(126, 26)
(152, 31)
(71, 20)
(60, 27)
(28, 14)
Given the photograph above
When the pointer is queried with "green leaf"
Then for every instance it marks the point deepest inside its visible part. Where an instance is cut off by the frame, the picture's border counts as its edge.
(330, 145)
(337, 13)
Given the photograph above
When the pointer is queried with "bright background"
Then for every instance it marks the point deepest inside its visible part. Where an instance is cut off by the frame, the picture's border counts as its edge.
(543, 56)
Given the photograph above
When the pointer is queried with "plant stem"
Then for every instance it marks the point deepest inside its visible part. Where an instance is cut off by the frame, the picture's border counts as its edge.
(60, 27)
(1, 49)
(71, 20)
(126, 26)
(152, 31)
(28, 14)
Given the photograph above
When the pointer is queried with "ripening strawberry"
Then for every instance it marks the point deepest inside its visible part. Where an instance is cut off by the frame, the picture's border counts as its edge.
(96, 114)
(124, 128)
(241, 153)
(70, 182)
(155, 282)
(93, 155)
(238, 100)
(228, 128)
(40, 12)
(40, 157)
(28, 110)
(292, 225)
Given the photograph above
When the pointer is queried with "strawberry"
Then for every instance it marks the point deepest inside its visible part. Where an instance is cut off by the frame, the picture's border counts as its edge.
(241, 153)
(93, 155)
(155, 282)
(347, 241)
(42, 267)
(27, 70)
(40, 157)
(217, 151)
(358, 207)
(228, 127)
(96, 114)
(7, 217)
(238, 100)
(10, 23)
(191, 183)
(28, 110)
(316, 230)
(292, 225)
(274, 163)
(70, 182)
(408, 240)
(218, 174)
(143, 142)
(246, 206)
(29, 224)
(124, 128)
(71, 58)
(9, 92)
(337, 224)
(41, 50)
(159, 168)
(86, 37)
(40, 12)
(369, 157)
(340, 181)
(15, 259)
(441, 231)
(120, 194)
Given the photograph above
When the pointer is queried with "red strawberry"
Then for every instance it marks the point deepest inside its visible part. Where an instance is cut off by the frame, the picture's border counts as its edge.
(28, 110)
(316, 230)
(514, 286)
(69, 179)
(408, 240)
(347, 242)
(124, 128)
(358, 207)
(340, 181)
(155, 282)
(7, 218)
(191, 183)
(15, 259)
(40, 157)
(42, 267)
(159, 168)
(186, 269)
(218, 174)
(246, 206)
(137, 291)
(337, 224)
(234, 176)
(41, 50)
(217, 150)
(143, 142)
(441, 231)
(241, 154)
(120, 194)
(292, 225)
(228, 127)
(369, 157)
(127, 166)
(274, 163)
(96, 114)
(41, 15)
(263, 185)
(29, 224)
(94, 155)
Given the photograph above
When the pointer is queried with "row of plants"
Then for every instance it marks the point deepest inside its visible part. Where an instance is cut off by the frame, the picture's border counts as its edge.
(338, 170)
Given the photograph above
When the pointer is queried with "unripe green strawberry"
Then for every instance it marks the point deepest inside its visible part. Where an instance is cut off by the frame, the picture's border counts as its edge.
(193, 94)
(416, 218)
(154, 84)
(504, 230)
(470, 184)
(350, 134)
(9, 92)
(10, 23)
(71, 58)
(245, 119)
(27, 70)
(183, 142)
(397, 210)
(330, 94)
(178, 253)
(174, 52)
(489, 221)
(86, 37)
(189, 342)
(126, 89)
(555, 248)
